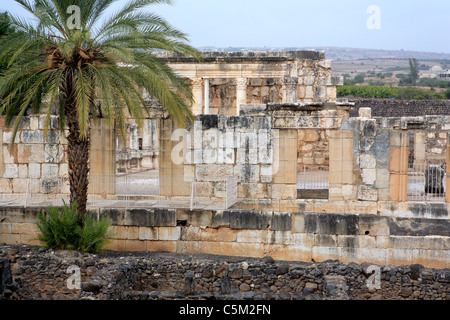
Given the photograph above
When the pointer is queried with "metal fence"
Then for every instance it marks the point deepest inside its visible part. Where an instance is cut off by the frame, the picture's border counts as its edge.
(136, 190)
(144, 189)
(313, 177)
(426, 181)
(52, 192)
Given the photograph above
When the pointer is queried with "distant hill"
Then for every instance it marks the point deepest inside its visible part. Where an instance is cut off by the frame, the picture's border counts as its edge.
(340, 53)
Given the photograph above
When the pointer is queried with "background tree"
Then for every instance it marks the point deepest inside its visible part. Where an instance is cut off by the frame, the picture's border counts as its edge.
(414, 70)
(72, 60)
(411, 78)
(5, 29)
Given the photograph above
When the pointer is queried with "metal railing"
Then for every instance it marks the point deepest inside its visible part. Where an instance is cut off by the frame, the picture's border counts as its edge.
(426, 181)
(136, 190)
(51, 192)
(149, 189)
(313, 177)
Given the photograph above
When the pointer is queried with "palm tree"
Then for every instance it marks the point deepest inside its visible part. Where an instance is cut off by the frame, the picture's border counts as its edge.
(83, 65)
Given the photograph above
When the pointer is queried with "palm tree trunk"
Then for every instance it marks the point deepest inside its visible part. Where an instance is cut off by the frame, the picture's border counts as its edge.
(78, 160)
(78, 149)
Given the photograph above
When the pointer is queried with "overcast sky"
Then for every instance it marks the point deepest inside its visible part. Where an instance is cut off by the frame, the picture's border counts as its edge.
(393, 24)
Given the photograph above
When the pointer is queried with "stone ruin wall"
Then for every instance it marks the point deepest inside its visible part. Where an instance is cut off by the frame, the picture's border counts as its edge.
(140, 151)
(401, 108)
(368, 175)
(313, 148)
(367, 215)
(291, 76)
(223, 93)
(41, 274)
(286, 236)
(34, 156)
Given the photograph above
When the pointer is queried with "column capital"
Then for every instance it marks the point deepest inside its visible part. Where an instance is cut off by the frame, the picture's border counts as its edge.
(241, 83)
(290, 81)
(197, 82)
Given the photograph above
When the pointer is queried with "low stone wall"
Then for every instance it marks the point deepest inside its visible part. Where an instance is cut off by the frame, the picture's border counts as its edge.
(38, 273)
(402, 108)
(291, 236)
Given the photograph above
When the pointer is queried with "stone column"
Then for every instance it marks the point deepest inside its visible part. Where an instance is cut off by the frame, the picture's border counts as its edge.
(197, 92)
(206, 82)
(447, 179)
(241, 93)
(290, 90)
(419, 151)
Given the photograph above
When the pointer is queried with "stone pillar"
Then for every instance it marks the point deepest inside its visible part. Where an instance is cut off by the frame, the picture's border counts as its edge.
(171, 174)
(447, 187)
(241, 93)
(398, 166)
(341, 175)
(290, 90)
(150, 144)
(206, 81)
(284, 167)
(102, 158)
(419, 150)
(197, 92)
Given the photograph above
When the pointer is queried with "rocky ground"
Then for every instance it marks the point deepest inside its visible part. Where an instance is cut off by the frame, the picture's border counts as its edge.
(38, 273)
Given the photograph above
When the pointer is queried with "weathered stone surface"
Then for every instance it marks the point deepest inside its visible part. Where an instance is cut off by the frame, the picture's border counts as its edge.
(267, 260)
(213, 172)
(220, 219)
(366, 193)
(373, 225)
(91, 286)
(250, 219)
(406, 292)
(367, 161)
(365, 113)
(281, 222)
(50, 171)
(5, 276)
(35, 136)
(336, 288)
(416, 269)
(11, 171)
(419, 227)
(195, 218)
(344, 224)
(368, 176)
(244, 287)
(28, 153)
(53, 153)
(235, 273)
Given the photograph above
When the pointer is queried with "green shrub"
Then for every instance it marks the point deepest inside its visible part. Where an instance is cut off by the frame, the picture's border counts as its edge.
(381, 92)
(93, 235)
(62, 228)
(446, 93)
